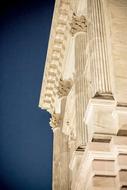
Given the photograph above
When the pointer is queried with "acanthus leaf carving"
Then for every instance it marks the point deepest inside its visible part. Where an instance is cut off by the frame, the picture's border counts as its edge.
(78, 24)
(55, 120)
(64, 87)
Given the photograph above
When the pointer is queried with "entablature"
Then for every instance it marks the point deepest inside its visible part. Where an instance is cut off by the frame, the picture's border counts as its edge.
(66, 22)
(56, 52)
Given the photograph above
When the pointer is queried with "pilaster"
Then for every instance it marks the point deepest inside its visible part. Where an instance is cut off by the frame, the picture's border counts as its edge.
(99, 57)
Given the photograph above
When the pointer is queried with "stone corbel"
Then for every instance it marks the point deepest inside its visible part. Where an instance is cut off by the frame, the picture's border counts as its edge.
(78, 24)
(55, 120)
(64, 87)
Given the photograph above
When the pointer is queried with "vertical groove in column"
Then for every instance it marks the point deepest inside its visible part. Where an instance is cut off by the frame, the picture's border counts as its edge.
(98, 49)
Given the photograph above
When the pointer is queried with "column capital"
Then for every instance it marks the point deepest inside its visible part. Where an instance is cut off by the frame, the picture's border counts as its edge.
(55, 120)
(64, 87)
(78, 24)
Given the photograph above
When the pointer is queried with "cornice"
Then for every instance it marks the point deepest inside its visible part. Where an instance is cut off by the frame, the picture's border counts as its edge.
(55, 54)
(66, 23)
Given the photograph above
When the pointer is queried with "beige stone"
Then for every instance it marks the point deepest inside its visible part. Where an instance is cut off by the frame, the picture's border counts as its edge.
(84, 88)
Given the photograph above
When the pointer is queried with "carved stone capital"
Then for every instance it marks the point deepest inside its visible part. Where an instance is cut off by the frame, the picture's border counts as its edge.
(55, 120)
(64, 87)
(78, 24)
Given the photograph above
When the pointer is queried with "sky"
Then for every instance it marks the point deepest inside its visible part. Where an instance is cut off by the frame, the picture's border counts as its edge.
(25, 134)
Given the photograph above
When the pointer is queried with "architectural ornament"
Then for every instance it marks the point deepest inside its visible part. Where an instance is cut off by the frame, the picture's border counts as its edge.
(55, 120)
(89, 122)
(78, 24)
(64, 87)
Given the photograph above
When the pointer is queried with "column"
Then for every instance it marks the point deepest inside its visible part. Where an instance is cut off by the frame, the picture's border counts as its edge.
(99, 60)
(81, 89)
(56, 159)
(60, 160)
(64, 163)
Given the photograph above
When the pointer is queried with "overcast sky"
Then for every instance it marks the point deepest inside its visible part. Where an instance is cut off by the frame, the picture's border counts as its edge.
(25, 136)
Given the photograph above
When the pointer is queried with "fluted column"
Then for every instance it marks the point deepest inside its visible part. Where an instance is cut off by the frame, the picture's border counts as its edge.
(60, 160)
(56, 159)
(64, 154)
(99, 61)
(80, 86)
(64, 163)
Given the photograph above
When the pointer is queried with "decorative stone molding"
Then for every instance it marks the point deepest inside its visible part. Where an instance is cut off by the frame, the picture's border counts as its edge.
(56, 52)
(89, 112)
(64, 87)
(78, 24)
(55, 120)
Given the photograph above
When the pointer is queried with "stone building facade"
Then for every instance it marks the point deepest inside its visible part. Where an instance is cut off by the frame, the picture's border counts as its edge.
(84, 89)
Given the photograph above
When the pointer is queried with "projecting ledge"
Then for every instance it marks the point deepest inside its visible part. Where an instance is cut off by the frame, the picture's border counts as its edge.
(100, 118)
